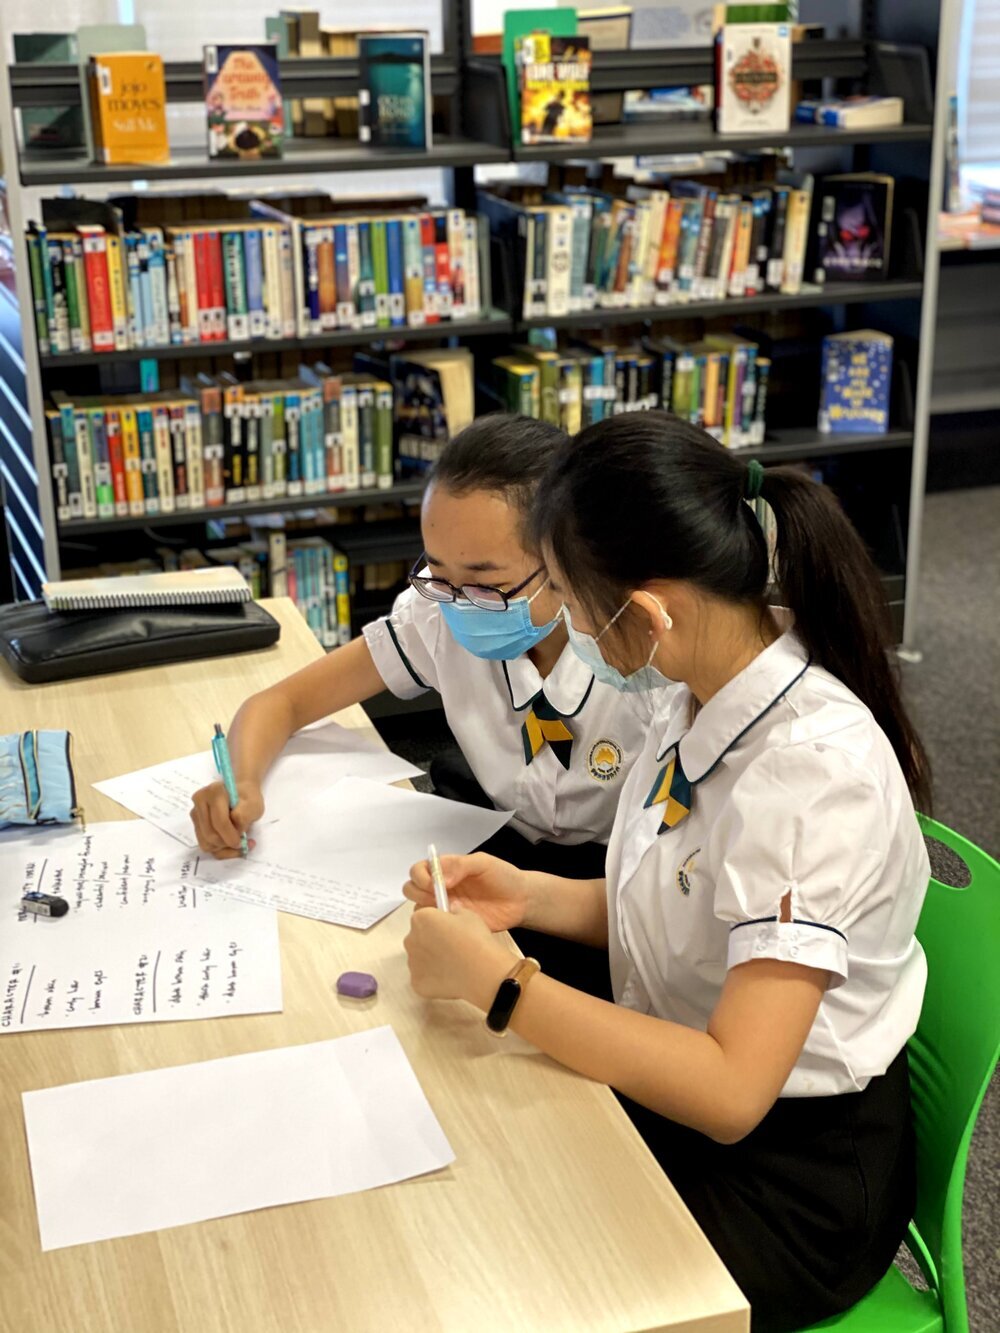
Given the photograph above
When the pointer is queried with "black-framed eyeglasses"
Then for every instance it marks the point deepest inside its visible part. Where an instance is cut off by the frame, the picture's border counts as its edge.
(481, 595)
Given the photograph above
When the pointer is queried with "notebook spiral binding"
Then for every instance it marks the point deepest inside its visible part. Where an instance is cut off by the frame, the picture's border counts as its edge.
(136, 600)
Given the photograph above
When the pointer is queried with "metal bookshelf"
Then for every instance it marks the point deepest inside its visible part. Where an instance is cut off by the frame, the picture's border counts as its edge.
(897, 46)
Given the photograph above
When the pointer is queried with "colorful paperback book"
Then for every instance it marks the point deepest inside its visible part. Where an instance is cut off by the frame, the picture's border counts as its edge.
(854, 229)
(555, 89)
(243, 101)
(128, 108)
(754, 78)
(394, 98)
(855, 385)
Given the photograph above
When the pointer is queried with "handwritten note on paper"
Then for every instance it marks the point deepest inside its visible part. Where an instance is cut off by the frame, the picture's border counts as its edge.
(144, 941)
(314, 758)
(348, 853)
(327, 1118)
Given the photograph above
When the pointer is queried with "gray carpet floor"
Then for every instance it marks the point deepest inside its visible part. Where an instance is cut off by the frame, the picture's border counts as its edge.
(952, 693)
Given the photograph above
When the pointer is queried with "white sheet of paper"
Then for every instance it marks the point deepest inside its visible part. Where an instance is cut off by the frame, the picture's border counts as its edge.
(143, 941)
(314, 759)
(348, 852)
(140, 1152)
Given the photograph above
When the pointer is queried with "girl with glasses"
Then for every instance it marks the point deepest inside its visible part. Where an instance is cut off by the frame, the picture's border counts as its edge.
(481, 625)
(764, 875)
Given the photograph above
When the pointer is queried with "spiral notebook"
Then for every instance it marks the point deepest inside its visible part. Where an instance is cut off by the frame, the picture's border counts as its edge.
(201, 587)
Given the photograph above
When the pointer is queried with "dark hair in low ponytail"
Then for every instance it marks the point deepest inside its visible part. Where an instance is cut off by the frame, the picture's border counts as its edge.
(646, 496)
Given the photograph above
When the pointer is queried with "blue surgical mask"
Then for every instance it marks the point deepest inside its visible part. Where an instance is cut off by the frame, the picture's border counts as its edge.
(496, 635)
(646, 677)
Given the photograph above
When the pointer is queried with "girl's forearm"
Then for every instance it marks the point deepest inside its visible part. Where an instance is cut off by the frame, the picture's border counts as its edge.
(575, 909)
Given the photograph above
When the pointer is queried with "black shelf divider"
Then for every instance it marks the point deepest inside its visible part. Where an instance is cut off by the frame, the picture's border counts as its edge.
(492, 323)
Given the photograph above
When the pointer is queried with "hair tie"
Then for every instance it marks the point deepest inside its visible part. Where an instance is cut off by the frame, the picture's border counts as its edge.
(754, 480)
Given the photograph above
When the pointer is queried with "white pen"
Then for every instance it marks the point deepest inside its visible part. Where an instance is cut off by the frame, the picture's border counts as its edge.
(437, 877)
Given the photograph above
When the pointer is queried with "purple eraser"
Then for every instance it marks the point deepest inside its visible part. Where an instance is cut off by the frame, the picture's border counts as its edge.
(359, 985)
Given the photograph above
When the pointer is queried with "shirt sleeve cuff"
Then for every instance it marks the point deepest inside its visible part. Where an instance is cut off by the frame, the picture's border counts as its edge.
(391, 662)
(806, 942)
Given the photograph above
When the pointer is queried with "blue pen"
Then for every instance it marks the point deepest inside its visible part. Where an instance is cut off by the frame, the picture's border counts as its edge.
(220, 753)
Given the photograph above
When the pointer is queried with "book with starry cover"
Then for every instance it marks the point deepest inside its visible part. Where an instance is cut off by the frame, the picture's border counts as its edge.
(855, 383)
(243, 101)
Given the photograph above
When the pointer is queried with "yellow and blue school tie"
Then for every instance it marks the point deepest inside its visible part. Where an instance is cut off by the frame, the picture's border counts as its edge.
(542, 724)
(672, 790)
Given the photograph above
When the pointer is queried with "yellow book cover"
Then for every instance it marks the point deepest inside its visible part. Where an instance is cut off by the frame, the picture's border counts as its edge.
(128, 100)
(555, 88)
(133, 461)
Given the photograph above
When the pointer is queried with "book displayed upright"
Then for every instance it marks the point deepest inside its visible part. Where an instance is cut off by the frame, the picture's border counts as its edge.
(855, 383)
(555, 89)
(394, 97)
(128, 108)
(753, 83)
(95, 39)
(854, 228)
(243, 103)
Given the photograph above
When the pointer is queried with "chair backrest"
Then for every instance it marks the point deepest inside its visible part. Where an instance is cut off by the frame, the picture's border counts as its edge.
(953, 1053)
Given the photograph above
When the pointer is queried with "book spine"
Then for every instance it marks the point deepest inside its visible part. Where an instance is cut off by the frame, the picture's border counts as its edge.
(34, 246)
(342, 277)
(203, 291)
(366, 276)
(274, 295)
(135, 503)
(293, 438)
(332, 436)
(757, 427)
(537, 262)
(277, 561)
(59, 322)
(413, 271)
(349, 434)
(320, 276)
(144, 309)
(116, 286)
(194, 455)
(380, 266)
(103, 479)
(384, 468)
(704, 244)
(456, 261)
(178, 454)
(267, 486)
(279, 444)
(72, 297)
(85, 462)
(60, 472)
(164, 458)
(312, 474)
(251, 426)
(175, 326)
(213, 447)
(396, 272)
(558, 260)
(429, 261)
(158, 284)
(635, 283)
(473, 286)
(253, 269)
(796, 238)
(234, 283)
(342, 585)
(147, 461)
(136, 331)
(366, 434)
(217, 286)
(235, 472)
(354, 272)
(67, 434)
(442, 267)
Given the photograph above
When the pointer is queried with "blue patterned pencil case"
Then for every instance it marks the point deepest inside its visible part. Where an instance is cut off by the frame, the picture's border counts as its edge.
(37, 785)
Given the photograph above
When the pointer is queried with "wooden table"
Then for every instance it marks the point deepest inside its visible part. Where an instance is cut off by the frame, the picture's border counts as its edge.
(554, 1216)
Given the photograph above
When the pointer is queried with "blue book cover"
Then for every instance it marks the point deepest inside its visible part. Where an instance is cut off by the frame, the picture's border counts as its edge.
(397, 289)
(856, 379)
(253, 267)
(394, 98)
(342, 275)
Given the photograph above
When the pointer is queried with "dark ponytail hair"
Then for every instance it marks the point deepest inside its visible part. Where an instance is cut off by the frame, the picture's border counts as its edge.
(502, 453)
(646, 496)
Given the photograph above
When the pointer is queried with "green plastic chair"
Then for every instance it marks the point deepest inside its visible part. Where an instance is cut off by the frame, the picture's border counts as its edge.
(952, 1054)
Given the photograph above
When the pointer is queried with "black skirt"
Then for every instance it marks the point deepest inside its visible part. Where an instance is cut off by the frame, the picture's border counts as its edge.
(807, 1212)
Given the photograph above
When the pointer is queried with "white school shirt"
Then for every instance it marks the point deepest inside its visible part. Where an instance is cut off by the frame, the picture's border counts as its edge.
(795, 789)
(486, 702)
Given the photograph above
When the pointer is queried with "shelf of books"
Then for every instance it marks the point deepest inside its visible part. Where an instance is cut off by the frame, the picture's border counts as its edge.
(249, 370)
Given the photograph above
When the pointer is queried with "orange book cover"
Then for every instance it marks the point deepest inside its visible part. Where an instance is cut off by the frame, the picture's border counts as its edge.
(128, 100)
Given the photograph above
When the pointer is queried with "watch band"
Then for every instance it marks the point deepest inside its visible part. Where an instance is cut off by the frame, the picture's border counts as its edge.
(508, 993)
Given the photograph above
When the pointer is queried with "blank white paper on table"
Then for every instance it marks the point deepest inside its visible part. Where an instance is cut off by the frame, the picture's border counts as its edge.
(314, 758)
(140, 1152)
(348, 852)
(143, 940)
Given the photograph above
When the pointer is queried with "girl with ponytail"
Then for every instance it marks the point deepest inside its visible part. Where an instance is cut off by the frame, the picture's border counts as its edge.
(765, 871)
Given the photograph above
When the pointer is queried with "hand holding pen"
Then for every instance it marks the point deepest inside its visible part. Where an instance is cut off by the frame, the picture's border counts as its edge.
(224, 764)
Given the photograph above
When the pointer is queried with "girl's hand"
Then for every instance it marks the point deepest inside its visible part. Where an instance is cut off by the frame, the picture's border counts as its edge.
(495, 891)
(217, 827)
(453, 956)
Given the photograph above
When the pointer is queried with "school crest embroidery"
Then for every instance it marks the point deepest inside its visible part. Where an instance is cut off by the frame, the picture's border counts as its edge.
(605, 760)
(684, 871)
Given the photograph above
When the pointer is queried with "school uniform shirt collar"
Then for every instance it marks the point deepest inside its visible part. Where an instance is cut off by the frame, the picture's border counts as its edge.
(566, 687)
(740, 703)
